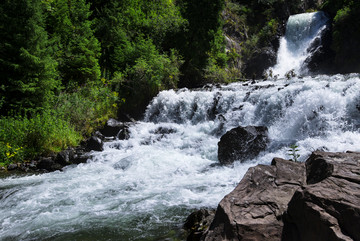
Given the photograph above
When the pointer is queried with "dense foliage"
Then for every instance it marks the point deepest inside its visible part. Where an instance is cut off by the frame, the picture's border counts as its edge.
(68, 65)
(27, 66)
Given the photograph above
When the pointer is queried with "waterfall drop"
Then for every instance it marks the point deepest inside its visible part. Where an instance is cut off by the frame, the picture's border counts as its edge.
(302, 32)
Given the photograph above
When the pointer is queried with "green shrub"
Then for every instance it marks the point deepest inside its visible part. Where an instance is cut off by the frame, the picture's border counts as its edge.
(148, 73)
(88, 107)
(23, 138)
(73, 116)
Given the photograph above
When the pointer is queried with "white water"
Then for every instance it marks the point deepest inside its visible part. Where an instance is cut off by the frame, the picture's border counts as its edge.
(302, 30)
(142, 188)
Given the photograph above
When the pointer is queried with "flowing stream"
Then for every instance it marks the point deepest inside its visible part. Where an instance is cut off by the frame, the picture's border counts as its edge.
(145, 187)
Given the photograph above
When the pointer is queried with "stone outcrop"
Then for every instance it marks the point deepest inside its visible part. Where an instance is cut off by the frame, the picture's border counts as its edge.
(254, 209)
(114, 128)
(242, 143)
(259, 61)
(289, 201)
(328, 208)
(94, 143)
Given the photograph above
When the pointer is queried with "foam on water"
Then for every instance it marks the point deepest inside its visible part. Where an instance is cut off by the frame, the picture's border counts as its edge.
(141, 188)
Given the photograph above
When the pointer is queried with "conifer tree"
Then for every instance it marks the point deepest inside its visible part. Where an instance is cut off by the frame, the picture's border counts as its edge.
(77, 49)
(28, 72)
(197, 41)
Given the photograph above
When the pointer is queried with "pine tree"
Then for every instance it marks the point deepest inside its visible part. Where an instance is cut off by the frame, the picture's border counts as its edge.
(197, 41)
(28, 72)
(77, 49)
(121, 25)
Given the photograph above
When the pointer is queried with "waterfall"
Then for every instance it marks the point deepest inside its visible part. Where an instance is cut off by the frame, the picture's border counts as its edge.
(144, 187)
(302, 30)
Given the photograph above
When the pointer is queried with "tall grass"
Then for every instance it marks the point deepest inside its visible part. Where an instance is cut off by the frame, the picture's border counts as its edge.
(72, 117)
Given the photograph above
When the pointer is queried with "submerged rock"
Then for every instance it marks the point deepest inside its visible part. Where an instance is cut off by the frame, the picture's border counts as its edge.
(242, 143)
(198, 222)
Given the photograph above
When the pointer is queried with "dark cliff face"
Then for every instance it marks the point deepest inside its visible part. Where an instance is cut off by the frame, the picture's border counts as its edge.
(345, 34)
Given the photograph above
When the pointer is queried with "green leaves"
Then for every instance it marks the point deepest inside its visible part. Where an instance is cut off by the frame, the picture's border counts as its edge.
(26, 61)
(77, 49)
(293, 152)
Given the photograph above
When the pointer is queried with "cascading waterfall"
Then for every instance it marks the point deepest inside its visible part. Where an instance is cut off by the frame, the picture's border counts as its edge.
(302, 30)
(144, 187)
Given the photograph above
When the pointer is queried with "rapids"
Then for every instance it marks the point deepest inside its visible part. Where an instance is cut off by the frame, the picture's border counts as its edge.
(144, 187)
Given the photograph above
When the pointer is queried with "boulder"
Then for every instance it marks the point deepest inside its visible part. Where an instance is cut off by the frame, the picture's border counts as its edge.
(64, 157)
(48, 164)
(114, 128)
(80, 156)
(12, 167)
(254, 209)
(328, 208)
(198, 222)
(94, 143)
(242, 143)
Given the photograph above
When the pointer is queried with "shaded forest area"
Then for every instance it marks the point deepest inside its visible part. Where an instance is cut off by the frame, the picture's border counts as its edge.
(68, 65)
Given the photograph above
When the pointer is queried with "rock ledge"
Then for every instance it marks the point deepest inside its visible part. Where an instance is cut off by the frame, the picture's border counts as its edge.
(315, 200)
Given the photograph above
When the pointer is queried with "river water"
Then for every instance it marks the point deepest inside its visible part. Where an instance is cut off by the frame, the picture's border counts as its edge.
(145, 187)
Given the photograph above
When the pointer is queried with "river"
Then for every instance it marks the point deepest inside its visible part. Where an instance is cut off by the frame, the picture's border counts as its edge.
(145, 187)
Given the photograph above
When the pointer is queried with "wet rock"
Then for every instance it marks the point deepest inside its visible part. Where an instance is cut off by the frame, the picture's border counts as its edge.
(198, 222)
(322, 56)
(260, 60)
(80, 156)
(12, 167)
(331, 201)
(242, 143)
(64, 157)
(48, 164)
(254, 209)
(114, 128)
(165, 130)
(94, 143)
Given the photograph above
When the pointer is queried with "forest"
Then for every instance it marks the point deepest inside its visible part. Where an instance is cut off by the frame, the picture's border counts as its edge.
(69, 65)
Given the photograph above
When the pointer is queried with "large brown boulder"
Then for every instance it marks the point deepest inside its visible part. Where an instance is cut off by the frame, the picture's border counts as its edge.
(329, 207)
(242, 143)
(254, 209)
(318, 200)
